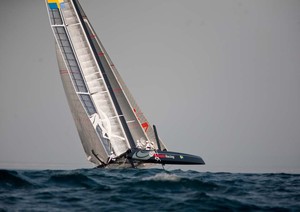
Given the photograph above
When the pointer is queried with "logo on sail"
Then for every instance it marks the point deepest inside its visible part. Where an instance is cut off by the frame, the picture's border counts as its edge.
(145, 125)
(56, 4)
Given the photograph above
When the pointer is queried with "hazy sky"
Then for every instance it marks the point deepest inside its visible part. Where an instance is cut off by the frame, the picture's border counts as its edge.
(220, 79)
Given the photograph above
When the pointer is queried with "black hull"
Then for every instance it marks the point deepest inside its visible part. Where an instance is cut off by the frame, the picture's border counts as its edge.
(164, 157)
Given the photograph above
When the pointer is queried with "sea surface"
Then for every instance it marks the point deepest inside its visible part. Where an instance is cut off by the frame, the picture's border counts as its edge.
(146, 190)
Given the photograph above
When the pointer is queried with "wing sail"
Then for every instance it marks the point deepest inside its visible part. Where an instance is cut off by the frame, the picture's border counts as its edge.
(77, 60)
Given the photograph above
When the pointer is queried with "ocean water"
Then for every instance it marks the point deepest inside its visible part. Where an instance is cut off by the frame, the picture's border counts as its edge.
(146, 190)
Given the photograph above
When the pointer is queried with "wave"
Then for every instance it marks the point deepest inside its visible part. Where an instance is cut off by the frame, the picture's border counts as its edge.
(12, 179)
(72, 180)
(146, 189)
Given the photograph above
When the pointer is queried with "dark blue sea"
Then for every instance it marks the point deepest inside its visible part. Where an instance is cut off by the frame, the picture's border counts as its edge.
(146, 190)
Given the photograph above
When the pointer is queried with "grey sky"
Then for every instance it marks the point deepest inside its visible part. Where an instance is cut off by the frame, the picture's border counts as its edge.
(220, 79)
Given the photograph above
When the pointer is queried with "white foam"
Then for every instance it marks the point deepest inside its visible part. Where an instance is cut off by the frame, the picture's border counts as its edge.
(163, 177)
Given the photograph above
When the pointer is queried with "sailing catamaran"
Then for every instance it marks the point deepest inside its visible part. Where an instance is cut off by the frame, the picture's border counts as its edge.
(113, 130)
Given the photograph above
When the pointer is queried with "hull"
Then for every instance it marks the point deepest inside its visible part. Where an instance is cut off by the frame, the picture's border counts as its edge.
(165, 157)
(146, 158)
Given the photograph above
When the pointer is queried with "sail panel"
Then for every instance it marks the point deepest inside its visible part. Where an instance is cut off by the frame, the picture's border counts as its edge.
(105, 140)
(88, 104)
(55, 18)
(65, 46)
(94, 150)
